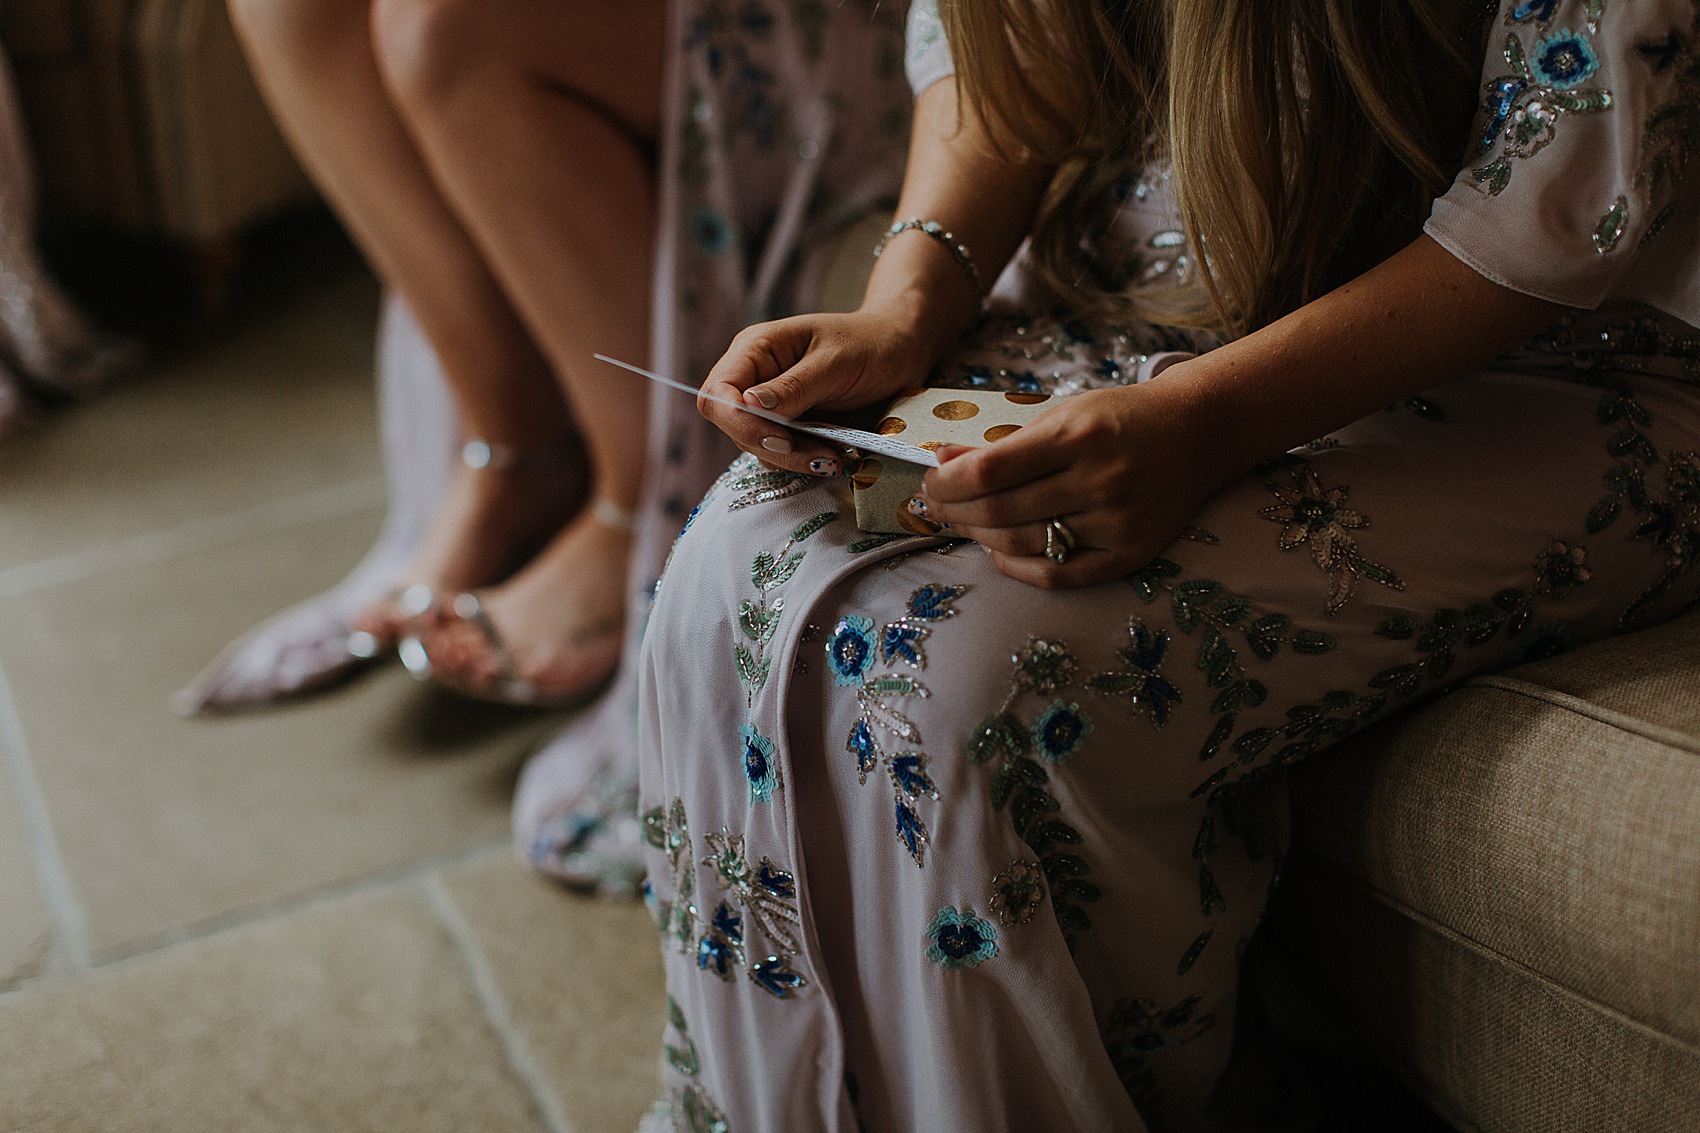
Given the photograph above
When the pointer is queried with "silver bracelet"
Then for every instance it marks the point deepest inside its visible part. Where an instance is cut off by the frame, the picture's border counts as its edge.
(957, 249)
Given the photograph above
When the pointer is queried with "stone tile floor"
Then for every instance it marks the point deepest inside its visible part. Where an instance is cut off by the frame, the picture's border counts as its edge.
(302, 919)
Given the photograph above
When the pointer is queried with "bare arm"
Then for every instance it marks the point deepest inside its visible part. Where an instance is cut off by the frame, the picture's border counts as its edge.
(955, 177)
(917, 304)
(1128, 468)
(1420, 318)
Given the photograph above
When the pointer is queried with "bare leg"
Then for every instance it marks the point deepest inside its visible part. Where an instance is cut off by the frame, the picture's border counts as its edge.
(315, 60)
(537, 117)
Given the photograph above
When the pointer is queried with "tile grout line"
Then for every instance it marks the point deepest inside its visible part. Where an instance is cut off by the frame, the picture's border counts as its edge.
(520, 1058)
(69, 922)
(410, 877)
(196, 535)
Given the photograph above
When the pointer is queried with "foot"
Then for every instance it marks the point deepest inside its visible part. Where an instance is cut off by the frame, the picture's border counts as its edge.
(560, 621)
(491, 521)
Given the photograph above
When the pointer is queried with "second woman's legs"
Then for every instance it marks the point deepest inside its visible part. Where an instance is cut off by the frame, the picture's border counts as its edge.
(316, 62)
(537, 120)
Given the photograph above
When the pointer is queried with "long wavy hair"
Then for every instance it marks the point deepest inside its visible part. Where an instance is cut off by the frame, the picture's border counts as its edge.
(1307, 138)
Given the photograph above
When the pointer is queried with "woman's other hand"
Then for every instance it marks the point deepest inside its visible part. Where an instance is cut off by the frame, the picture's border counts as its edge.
(806, 365)
(1124, 469)
(919, 300)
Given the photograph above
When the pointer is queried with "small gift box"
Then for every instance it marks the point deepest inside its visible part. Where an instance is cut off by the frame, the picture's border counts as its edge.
(927, 419)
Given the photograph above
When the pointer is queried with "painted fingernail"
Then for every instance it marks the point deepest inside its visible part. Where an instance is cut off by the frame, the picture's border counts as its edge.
(917, 506)
(852, 455)
(827, 467)
(776, 444)
(766, 397)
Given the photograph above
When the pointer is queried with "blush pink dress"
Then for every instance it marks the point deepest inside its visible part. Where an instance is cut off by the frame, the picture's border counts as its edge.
(930, 849)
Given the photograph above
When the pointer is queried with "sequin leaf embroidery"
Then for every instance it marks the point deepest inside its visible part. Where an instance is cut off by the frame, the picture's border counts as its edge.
(667, 829)
(694, 1110)
(760, 903)
(1524, 107)
(1138, 1028)
(1020, 784)
(1671, 134)
(1317, 517)
(1140, 681)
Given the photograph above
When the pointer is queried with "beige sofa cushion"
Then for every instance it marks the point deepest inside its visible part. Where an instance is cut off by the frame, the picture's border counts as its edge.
(1505, 884)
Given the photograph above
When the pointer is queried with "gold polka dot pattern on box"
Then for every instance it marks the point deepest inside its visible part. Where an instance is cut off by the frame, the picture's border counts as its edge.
(956, 410)
(927, 419)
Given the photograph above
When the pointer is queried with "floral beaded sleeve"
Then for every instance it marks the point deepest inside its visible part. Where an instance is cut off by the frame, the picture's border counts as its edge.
(1577, 185)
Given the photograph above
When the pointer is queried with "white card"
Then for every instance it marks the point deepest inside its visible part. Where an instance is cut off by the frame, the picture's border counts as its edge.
(856, 438)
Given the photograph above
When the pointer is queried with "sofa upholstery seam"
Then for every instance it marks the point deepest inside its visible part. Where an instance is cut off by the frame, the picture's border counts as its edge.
(1670, 737)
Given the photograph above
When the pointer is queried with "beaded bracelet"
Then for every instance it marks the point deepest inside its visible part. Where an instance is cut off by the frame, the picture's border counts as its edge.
(957, 249)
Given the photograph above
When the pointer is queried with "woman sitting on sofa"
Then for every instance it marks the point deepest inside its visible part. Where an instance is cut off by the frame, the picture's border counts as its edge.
(1380, 371)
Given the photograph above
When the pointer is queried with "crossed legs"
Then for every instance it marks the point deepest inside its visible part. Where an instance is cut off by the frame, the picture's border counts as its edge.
(493, 162)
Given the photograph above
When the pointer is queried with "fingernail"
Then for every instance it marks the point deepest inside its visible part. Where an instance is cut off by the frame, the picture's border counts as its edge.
(917, 506)
(776, 444)
(852, 455)
(827, 467)
(766, 397)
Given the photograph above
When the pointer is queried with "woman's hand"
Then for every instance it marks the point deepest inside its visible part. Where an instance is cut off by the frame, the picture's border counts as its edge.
(808, 364)
(1125, 469)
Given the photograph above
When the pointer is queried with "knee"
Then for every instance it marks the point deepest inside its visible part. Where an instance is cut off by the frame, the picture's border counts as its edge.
(296, 29)
(425, 47)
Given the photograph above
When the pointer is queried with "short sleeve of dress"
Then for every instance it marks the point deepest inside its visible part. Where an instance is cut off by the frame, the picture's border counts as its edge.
(1575, 188)
(926, 51)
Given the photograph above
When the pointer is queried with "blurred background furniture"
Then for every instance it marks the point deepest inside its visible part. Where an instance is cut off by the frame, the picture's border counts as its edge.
(144, 120)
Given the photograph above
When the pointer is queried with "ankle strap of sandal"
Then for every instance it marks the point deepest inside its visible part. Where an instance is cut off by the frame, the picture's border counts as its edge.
(480, 453)
(610, 514)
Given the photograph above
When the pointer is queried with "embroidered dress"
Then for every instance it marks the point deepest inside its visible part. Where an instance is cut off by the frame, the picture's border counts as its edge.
(931, 849)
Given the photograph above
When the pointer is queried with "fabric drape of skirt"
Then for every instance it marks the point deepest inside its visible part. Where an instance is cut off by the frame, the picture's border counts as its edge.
(933, 849)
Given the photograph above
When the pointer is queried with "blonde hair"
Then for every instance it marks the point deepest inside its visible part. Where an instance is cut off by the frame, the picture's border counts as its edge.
(1295, 169)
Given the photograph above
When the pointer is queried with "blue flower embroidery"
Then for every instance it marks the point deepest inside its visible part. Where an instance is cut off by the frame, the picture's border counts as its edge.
(1563, 60)
(898, 641)
(710, 231)
(1523, 108)
(861, 745)
(1060, 731)
(909, 775)
(911, 830)
(775, 881)
(1501, 100)
(850, 649)
(932, 601)
(723, 942)
(775, 976)
(960, 940)
(758, 764)
(1539, 11)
